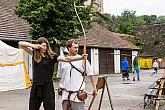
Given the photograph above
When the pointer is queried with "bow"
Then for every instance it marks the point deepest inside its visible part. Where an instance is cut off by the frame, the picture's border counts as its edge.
(85, 41)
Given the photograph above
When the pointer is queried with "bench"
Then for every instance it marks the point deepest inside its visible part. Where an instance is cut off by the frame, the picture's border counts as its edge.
(152, 94)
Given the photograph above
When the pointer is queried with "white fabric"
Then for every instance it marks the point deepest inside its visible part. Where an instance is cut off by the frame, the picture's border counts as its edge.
(5, 46)
(155, 65)
(11, 77)
(9, 56)
(72, 83)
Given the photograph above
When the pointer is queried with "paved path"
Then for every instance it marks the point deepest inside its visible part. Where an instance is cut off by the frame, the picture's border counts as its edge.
(126, 95)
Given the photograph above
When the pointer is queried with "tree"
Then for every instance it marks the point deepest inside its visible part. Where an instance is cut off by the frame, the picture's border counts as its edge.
(54, 19)
(146, 18)
(127, 20)
(160, 19)
(104, 20)
(153, 19)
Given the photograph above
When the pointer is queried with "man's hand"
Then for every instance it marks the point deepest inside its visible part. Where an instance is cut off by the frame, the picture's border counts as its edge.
(84, 55)
(94, 92)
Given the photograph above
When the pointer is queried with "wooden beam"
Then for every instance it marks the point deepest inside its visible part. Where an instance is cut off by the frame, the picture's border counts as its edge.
(160, 92)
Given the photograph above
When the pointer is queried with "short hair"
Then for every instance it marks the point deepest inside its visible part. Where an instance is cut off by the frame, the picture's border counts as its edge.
(69, 43)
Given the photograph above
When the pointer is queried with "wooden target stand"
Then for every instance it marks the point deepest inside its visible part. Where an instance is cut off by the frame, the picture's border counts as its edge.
(101, 84)
(161, 88)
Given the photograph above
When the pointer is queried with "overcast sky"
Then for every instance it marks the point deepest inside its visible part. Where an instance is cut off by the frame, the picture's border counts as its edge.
(142, 7)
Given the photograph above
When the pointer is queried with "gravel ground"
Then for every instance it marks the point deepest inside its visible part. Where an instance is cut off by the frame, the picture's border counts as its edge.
(125, 95)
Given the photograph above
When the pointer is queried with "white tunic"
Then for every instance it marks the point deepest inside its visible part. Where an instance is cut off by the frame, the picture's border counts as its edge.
(73, 81)
(155, 65)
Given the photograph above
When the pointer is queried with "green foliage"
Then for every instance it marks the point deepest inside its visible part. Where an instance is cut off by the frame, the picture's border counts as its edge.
(139, 21)
(153, 19)
(106, 20)
(136, 41)
(124, 22)
(127, 20)
(54, 19)
(146, 18)
(55, 78)
(160, 19)
(106, 16)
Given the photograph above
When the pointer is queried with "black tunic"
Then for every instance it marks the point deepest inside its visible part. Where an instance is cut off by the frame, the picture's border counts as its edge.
(43, 71)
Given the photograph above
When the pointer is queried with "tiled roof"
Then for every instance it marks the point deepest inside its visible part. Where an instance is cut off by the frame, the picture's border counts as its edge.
(11, 26)
(100, 37)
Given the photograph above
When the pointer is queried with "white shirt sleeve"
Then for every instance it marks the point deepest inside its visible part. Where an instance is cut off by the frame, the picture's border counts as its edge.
(89, 69)
(59, 71)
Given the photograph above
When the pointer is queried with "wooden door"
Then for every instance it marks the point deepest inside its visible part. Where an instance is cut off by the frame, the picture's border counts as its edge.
(106, 61)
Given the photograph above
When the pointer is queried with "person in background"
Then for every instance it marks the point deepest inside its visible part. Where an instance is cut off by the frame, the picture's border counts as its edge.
(136, 69)
(124, 68)
(155, 66)
(43, 68)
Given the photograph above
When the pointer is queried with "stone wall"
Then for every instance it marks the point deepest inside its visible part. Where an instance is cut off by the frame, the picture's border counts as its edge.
(153, 37)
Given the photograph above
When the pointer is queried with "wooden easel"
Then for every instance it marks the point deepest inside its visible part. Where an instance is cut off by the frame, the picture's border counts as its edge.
(101, 83)
(160, 91)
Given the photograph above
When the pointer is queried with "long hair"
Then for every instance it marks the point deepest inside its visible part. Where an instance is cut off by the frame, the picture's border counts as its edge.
(36, 54)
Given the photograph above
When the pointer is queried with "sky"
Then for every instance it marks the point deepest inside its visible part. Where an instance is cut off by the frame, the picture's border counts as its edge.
(142, 7)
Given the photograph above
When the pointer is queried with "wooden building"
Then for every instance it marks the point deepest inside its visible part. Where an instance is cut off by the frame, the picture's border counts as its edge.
(12, 28)
(106, 49)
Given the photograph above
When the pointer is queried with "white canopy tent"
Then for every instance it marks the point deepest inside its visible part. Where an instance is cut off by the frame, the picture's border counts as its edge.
(13, 72)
